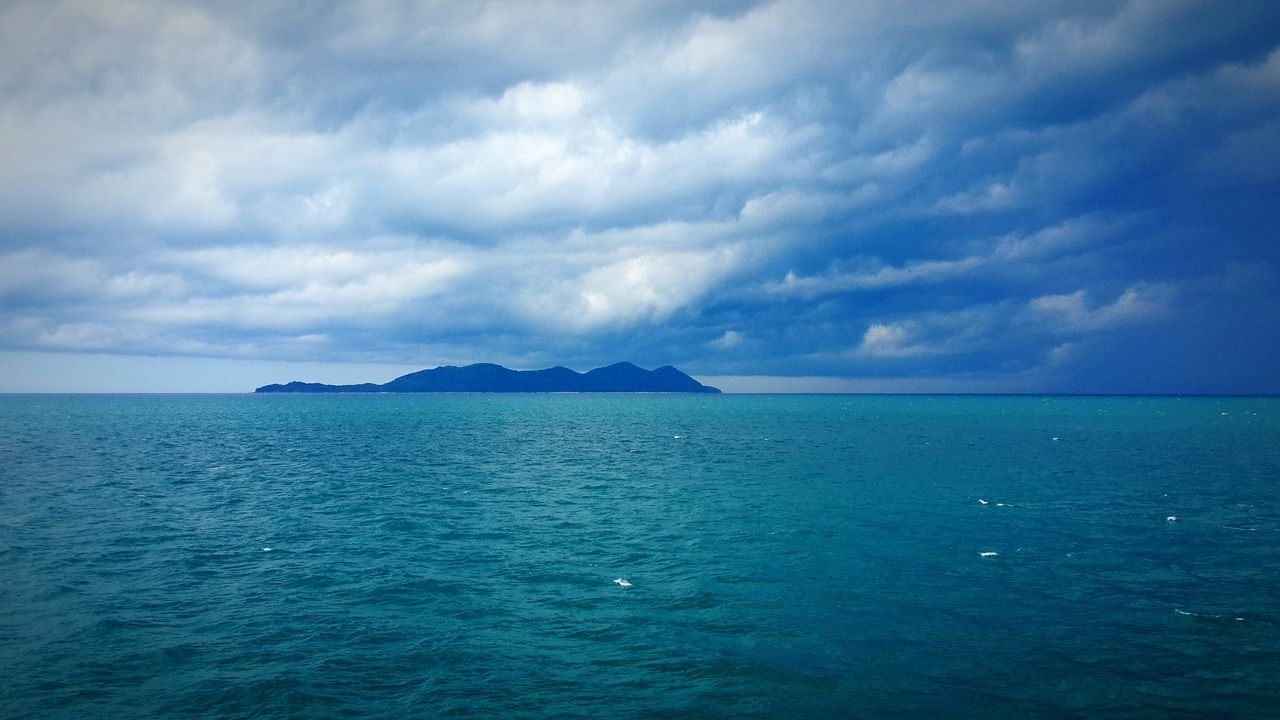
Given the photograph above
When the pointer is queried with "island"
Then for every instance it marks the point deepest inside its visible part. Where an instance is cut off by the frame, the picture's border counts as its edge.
(622, 377)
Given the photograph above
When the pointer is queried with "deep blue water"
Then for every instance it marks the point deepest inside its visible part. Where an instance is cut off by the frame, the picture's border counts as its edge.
(818, 556)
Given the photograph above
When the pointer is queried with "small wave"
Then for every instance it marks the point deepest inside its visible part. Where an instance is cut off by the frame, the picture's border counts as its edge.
(1208, 616)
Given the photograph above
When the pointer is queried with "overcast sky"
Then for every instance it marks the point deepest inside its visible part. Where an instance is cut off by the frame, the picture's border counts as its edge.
(961, 196)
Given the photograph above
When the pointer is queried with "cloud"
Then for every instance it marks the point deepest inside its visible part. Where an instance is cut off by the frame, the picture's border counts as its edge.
(373, 295)
(1061, 354)
(892, 341)
(1026, 336)
(640, 289)
(999, 255)
(779, 187)
(966, 331)
(1072, 312)
(728, 341)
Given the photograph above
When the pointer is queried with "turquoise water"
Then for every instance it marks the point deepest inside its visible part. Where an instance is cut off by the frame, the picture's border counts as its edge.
(817, 556)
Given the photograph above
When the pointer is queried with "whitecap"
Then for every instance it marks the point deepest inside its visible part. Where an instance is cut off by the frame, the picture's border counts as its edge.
(988, 553)
(622, 582)
(984, 502)
(1172, 518)
(266, 549)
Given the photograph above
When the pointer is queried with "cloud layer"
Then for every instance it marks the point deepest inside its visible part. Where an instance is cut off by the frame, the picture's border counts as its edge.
(1065, 196)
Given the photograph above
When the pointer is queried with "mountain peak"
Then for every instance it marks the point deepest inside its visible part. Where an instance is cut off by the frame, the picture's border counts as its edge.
(489, 377)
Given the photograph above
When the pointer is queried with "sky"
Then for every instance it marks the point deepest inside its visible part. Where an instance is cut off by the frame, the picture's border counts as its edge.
(793, 196)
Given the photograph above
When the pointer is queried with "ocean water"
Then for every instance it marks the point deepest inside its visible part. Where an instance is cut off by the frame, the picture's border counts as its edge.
(394, 556)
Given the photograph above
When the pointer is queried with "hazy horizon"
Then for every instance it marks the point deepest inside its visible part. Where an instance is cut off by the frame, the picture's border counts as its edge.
(212, 376)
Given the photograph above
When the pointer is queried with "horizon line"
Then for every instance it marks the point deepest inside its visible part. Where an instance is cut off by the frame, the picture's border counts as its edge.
(899, 393)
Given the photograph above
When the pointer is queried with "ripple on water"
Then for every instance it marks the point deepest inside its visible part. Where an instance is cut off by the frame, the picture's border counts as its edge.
(640, 556)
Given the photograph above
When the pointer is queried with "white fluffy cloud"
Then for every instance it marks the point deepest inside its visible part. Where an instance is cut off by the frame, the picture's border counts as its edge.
(892, 341)
(645, 288)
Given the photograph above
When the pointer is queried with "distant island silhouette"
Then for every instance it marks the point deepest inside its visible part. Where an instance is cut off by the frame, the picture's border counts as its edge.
(487, 377)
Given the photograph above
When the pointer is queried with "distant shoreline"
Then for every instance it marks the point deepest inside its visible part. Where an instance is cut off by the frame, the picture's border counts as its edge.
(623, 377)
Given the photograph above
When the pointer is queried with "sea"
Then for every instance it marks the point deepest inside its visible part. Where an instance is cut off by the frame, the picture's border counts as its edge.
(639, 556)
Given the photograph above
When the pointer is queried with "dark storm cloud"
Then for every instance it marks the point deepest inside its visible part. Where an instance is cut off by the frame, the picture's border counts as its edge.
(1028, 194)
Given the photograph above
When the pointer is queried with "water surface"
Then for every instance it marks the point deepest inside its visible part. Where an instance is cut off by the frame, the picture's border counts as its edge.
(803, 556)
